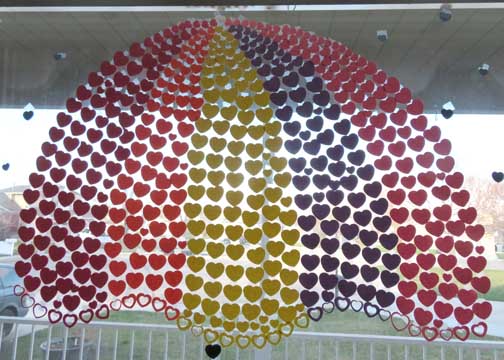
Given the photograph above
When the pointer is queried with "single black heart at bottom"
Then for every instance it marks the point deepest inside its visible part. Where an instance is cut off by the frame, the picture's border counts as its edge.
(5, 166)
(498, 176)
(213, 350)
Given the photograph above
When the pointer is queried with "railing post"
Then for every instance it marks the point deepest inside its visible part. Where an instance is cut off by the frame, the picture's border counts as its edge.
(1, 334)
(116, 340)
(32, 341)
(65, 343)
(82, 341)
(48, 344)
(16, 332)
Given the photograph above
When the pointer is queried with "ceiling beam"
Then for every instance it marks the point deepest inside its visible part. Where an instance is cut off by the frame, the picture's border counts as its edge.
(238, 3)
(233, 5)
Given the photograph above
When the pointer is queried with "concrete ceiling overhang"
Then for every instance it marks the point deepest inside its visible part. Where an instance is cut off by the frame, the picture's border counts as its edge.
(437, 60)
(67, 3)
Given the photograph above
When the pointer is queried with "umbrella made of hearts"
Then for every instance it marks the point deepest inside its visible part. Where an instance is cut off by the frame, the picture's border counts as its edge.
(243, 179)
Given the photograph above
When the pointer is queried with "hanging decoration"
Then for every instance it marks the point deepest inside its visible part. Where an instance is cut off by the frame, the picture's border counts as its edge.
(244, 179)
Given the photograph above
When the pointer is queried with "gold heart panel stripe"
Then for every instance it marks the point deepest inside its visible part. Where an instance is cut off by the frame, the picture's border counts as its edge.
(239, 216)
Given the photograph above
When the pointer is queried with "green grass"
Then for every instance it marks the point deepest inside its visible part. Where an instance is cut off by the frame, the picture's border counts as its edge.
(346, 322)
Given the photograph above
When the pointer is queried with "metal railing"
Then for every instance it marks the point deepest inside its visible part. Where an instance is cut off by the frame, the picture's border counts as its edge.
(115, 340)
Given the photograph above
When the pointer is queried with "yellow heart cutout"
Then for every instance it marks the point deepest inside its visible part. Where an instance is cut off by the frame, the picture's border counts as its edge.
(196, 263)
(288, 277)
(196, 227)
(196, 192)
(262, 99)
(291, 258)
(212, 96)
(287, 313)
(210, 307)
(274, 144)
(195, 157)
(226, 340)
(235, 251)
(193, 282)
(206, 82)
(198, 140)
(253, 236)
(275, 248)
(234, 197)
(212, 212)
(252, 293)
(288, 217)
(202, 125)
(234, 232)
(271, 287)
(234, 272)
(215, 230)
(302, 321)
(183, 323)
(232, 292)
(215, 321)
(290, 236)
(231, 311)
(216, 177)
(209, 110)
(196, 245)
(192, 210)
(264, 114)
(253, 166)
(217, 144)
(256, 132)
(215, 193)
(250, 218)
(259, 341)
(243, 341)
(236, 147)
(221, 126)
(250, 311)
(254, 150)
(238, 131)
(289, 295)
(269, 306)
(229, 112)
(272, 267)
(274, 337)
(246, 117)
(191, 301)
(286, 329)
(214, 269)
(214, 160)
(244, 102)
(234, 179)
(213, 289)
(278, 163)
(210, 336)
(273, 128)
(229, 95)
(215, 249)
(197, 175)
(270, 212)
(271, 229)
(257, 184)
(232, 213)
(256, 255)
